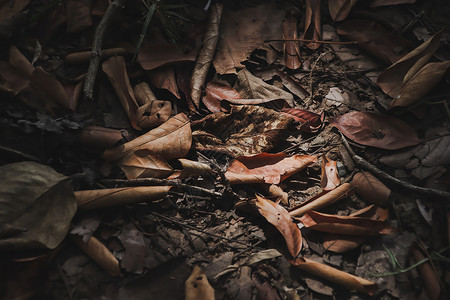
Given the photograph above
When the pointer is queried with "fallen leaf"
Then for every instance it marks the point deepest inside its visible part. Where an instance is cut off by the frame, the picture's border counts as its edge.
(197, 286)
(100, 254)
(78, 15)
(37, 200)
(242, 286)
(191, 168)
(376, 130)
(421, 83)
(313, 23)
(311, 122)
(132, 240)
(292, 55)
(371, 189)
(50, 90)
(151, 112)
(323, 199)
(101, 138)
(164, 78)
(252, 87)
(278, 216)
(329, 178)
(73, 92)
(346, 225)
(393, 78)
(93, 199)
(375, 39)
(274, 168)
(11, 80)
(276, 191)
(428, 274)
(170, 140)
(245, 30)
(9, 9)
(377, 3)
(215, 92)
(144, 163)
(275, 104)
(339, 9)
(264, 290)
(206, 54)
(244, 130)
(346, 280)
(84, 56)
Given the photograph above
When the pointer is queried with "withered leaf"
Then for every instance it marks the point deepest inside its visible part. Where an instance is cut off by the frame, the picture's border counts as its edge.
(292, 56)
(101, 138)
(197, 286)
(132, 240)
(144, 163)
(278, 216)
(375, 39)
(206, 54)
(311, 122)
(151, 112)
(376, 130)
(12, 80)
(393, 78)
(191, 168)
(245, 130)
(371, 189)
(339, 9)
(170, 140)
(329, 178)
(215, 92)
(313, 23)
(428, 273)
(9, 9)
(272, 167)
(164, 78)
(376, 3)
(78, 15)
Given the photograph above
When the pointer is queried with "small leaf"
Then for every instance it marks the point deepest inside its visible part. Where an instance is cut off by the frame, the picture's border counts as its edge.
(329, 178)
(292, 56)
(313, 24)
(164, 78)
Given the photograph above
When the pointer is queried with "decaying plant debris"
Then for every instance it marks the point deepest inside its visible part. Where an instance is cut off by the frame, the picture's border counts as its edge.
(224, 149)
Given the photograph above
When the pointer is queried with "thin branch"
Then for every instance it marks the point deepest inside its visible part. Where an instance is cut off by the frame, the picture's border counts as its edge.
(96, 52)
(314, 41)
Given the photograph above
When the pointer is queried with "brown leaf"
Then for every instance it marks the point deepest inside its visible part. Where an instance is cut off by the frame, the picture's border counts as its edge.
(375, 39)
(329, 178)
(9, 9)
(346, 280)
(133, 260)
(143, 163)
(151, 112)
(429, 276)
(93, 199)
(78, 15)
(245, 30)
(371, 189)
(275, 104)
(292, 56)
(274, 168)
(191, 168)
(245, 130)
(161, 53)
(313, 25)
(376, 3)
(311, 122)
(421, 83)
(206, 54)
(215, 92)
(376, 130)
(101, 138)
(197, 286)
(100, 254)
(322, 200)
(164, 78)
(85, 56)
(11, 80)
(276, 191)
(278, 216)
(345, 224)
(393, 78)
(73, 92)
(170, 140)
(339, 9)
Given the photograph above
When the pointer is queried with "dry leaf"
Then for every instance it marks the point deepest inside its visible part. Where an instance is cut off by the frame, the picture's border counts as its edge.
(329, 178)
(100, 254)
(311, 122)
(371, 189)
(49, 89)
(101, 138)
(292, 56)
(275, 104)
(85, 56)
(78, 15)
(170, 140)
(191, 168)
(346, 225)
(92, 199)
(393, 78)
(197, 286)
(36, 206)
(273, 168)
(245, 30)
(321, 200)
(346, 280)
(376, 130)
(133, 260)
(164, 78)
(421, 83)
(339, 9)
(245, 130)
(375, 39)
(151, 112)
(428, 274)
(278, 216)
(215, 92)
(12, 80)
(276, 191)
(206, 54)
(313, 24)
(9, 9)
(144, 163)
(376, 3)
(73, 92)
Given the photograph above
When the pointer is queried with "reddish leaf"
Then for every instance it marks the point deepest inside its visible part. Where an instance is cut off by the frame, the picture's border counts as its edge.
(164, 78)
(376, 130)
(280, 218)
(215, 92)
(329, 178)
(311, 122)
(371, 189)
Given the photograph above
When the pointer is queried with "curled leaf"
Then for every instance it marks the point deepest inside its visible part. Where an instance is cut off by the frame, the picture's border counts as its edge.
(151, 112)
(215, 92)
(329, 179)
(101, 138)
(339, 9)
(292, 56)
(313, 25)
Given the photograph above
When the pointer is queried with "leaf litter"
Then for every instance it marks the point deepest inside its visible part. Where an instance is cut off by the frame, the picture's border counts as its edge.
(178, 150)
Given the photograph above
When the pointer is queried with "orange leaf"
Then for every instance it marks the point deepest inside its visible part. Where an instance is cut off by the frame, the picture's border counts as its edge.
(215, 92)
(143, 163)
(329, 178)
(278, 216)
(371, 189)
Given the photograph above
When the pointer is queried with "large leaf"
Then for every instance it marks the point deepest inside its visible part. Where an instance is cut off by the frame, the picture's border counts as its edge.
(339, 9)
(170, 140)
(272, 167)
(38, 202)
(9, 9)
(292, 56)
(393, 78)
(371, 189)
(421, 83)
(280, 218)
(376, 130)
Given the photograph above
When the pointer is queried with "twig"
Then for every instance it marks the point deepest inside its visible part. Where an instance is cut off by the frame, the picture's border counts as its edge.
(18, 153)
(156, 181)
(313, 41)
(96, 52)
(381, 174)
